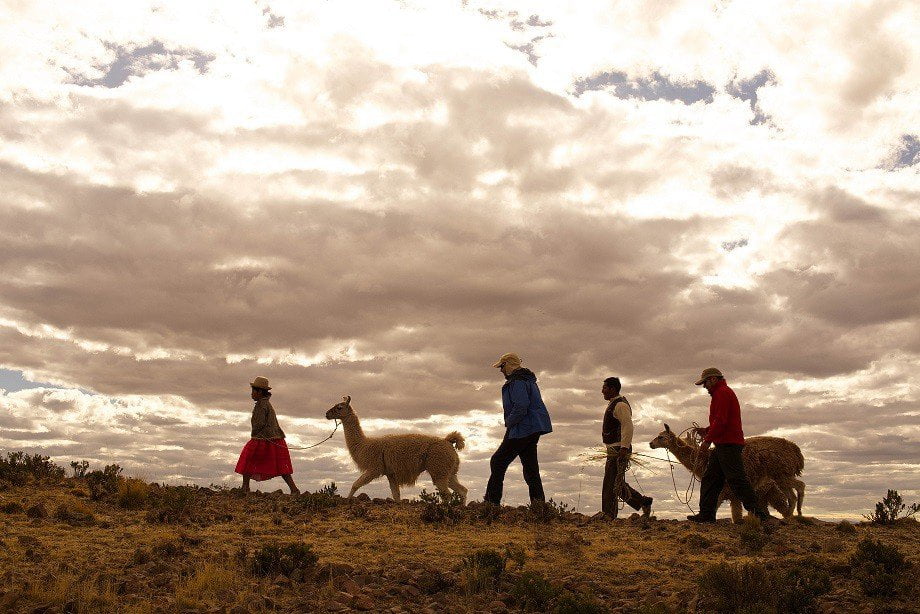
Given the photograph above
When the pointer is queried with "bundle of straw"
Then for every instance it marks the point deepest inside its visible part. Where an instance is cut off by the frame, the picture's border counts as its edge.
(599, 453)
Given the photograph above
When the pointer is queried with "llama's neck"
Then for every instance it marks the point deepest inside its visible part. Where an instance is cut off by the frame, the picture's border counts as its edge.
(687, 453)
(355, 438)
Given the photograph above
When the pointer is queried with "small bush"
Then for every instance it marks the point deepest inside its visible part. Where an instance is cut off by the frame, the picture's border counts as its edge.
(288, 560)
(484, 568)
(846, 527)
(574, 603)
(132, 493)
(330, 490)
(729, 587)
(547, 511)
(447, 509)
(533, 591)
(891, 509)
(12, 508)
(20, 468)
(880, 569)
(323, 498)
(103, 482)
(752, 536)
(79, 469)
(174, 505)
(75, 513)
(37, 511)
(799, 588)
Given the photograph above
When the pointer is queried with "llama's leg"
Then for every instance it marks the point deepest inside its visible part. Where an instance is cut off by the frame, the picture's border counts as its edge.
(443, 485)
(394, 487)
(457, 487)
(800, 491)
(737, 515)
(363, 479)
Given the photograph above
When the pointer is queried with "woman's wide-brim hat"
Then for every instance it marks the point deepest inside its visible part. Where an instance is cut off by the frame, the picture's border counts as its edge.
(260, 382)
(710, 372)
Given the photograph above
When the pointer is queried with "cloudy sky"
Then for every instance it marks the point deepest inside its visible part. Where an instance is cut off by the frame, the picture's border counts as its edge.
(380, 198)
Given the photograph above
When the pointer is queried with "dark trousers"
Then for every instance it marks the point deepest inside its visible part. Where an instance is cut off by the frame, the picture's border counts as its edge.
(615, 487)
(725, 464)
(526, 448)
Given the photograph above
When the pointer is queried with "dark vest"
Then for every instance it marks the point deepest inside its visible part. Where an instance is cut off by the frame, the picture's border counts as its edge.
(610, 432)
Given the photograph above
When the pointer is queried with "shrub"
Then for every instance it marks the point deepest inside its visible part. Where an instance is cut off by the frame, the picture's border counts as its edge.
(174, 505)
(574, 603)
(272, 559)
(880, 569)
(79, 469)
(800, 586)
(19, 467)
(891, 508)
(330, 490)
(75, 513)
(729, 587)
(547, 511)
(103, 482)
(533, 591)
(752, 536)
(323, 498)
(484, 568)
(846, 527)
(12, 508)
(132, 493)
(441, 508)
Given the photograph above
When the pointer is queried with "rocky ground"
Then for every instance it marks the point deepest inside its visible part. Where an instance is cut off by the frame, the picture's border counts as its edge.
(199, 549)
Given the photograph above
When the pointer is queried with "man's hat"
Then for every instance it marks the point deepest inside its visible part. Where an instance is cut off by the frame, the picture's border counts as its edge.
(510, 357)
(710, 372)
(260, 382)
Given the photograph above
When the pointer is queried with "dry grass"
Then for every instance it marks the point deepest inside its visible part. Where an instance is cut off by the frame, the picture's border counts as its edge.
(212, 585)
(73, 594)
(385, 548)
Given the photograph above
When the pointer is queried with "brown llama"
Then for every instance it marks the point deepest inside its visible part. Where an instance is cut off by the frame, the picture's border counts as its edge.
(771, 464)
(401, 458)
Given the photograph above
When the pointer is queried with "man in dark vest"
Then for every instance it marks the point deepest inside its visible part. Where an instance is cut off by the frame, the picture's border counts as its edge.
(617, 434)
(725, 464)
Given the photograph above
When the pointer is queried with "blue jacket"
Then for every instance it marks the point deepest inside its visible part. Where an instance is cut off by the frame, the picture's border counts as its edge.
(525, 412)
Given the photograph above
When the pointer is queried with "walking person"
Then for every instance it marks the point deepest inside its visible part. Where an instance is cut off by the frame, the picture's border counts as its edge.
(616, 433)
(526, 419)
(725, 433)
(265, 455)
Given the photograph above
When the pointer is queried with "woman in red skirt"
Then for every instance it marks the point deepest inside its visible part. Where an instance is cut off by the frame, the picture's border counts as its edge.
(266, 455)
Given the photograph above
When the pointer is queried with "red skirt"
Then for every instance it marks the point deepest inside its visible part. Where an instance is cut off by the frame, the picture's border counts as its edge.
(263, 459)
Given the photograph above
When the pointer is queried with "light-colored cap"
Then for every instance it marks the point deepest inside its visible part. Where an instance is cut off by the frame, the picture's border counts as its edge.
(710, 372)
(509, 358)
(260, 382)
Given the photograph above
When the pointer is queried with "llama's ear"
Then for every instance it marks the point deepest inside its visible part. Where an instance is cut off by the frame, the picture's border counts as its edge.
(666, 427)
(347, 399)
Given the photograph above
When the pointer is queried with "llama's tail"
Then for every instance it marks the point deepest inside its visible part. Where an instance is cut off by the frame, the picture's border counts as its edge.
(799, 461)
(456, 439)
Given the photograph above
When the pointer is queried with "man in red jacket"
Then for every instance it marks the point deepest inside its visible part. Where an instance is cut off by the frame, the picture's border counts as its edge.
(724, 431)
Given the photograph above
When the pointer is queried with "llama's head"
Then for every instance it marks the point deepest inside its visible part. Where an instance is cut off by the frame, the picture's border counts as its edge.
(340, 410)
(665, 439)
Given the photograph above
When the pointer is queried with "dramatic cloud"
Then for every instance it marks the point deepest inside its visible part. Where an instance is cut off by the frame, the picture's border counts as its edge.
(195, 194)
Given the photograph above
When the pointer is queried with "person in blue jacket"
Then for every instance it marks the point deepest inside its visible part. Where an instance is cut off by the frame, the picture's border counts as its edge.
(526, 419)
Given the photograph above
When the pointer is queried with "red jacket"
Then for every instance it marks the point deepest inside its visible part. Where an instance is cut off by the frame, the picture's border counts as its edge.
(724, 416)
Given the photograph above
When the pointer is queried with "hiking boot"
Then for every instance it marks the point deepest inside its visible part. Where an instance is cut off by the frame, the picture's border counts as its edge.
(701, 519)
(295, 491)
(647, 507)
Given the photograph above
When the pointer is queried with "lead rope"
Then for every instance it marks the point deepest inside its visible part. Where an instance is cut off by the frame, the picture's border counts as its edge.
(688, 493)
(303, 447)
